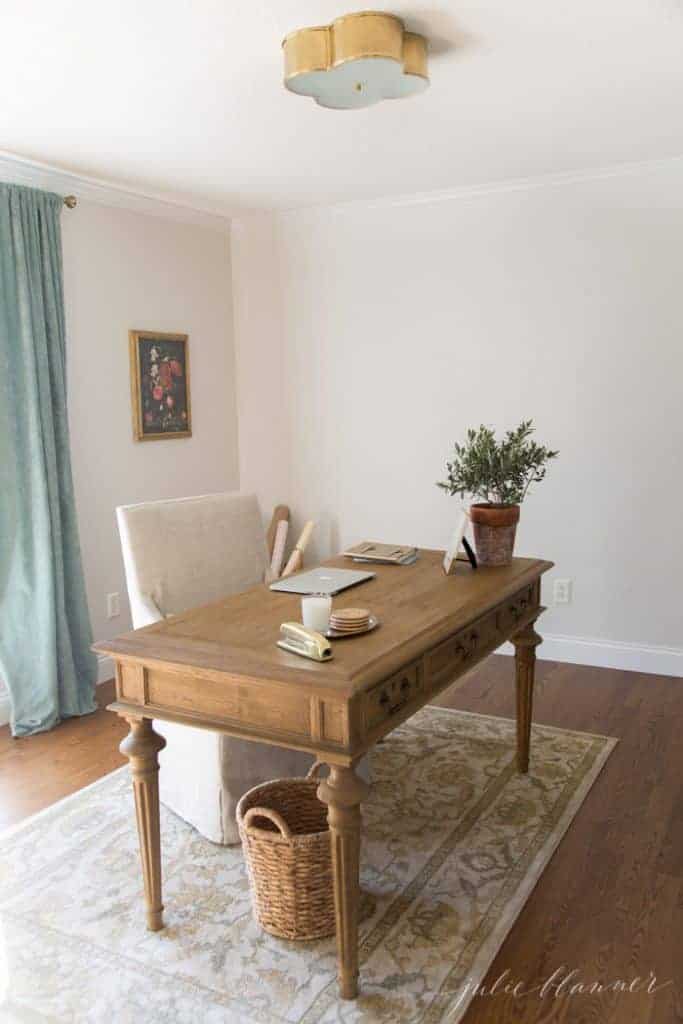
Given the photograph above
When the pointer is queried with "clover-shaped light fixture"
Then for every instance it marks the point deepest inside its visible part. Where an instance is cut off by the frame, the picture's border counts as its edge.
(356, 61)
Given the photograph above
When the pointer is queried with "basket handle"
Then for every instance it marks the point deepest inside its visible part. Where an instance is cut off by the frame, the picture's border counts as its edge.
(314, 771)
(265, 812)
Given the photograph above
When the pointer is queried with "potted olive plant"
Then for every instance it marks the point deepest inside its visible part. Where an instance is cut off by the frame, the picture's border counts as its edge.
(499, 473)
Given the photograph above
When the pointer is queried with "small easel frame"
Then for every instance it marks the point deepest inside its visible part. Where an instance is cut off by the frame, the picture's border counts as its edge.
(458, 540)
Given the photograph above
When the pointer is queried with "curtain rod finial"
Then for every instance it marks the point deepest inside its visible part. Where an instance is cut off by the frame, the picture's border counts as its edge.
(70, 201)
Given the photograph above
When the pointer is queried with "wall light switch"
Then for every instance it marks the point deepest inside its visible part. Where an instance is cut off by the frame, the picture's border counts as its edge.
(113, 606)
(562, 592)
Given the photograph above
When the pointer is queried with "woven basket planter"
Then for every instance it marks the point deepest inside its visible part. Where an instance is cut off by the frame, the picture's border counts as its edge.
(286, 843)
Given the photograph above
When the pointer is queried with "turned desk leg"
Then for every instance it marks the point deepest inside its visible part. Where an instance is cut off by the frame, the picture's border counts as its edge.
(141, 746)
(526, 642)
(343, 792)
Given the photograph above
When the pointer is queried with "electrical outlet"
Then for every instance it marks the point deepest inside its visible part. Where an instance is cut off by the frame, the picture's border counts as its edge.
(113, 606)
(562, 592)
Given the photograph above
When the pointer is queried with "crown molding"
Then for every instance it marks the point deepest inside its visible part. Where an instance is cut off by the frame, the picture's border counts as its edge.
(22, 171)
(506, 185)
(18, 170)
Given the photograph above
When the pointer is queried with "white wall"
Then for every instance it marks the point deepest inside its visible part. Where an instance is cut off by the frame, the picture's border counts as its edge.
(403, 323)
(126, 270)
(262, 402)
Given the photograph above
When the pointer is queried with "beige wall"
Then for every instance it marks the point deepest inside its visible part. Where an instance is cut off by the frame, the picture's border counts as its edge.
(403, 323)
(127, 270)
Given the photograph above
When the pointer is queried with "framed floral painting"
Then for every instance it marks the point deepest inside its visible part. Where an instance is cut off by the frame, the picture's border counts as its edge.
(160, 385)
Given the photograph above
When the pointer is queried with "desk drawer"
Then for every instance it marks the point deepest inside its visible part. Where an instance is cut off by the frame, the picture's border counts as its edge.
(389, 697)
(515, 608)
(242, 704)
(453, 655)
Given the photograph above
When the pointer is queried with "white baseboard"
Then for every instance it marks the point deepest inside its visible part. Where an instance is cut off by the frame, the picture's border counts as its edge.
(575, 650)
(582, 650)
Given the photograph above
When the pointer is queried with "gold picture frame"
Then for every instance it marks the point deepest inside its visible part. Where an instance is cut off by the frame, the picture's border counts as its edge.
(160, 385)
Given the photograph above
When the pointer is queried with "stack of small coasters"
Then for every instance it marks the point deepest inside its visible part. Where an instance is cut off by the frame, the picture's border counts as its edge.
(350, 620)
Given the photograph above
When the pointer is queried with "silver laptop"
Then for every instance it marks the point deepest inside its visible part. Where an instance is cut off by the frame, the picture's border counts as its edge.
(322, 581)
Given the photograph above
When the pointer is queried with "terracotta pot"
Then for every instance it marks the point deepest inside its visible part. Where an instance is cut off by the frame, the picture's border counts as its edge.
(494, 532)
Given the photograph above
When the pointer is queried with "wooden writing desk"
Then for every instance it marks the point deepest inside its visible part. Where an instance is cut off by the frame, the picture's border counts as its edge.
(217, 667)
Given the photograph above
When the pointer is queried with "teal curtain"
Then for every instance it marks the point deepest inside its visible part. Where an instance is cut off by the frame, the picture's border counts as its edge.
(45, 635)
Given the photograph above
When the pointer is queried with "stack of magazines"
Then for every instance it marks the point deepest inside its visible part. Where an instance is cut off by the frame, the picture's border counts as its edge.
(382, 554)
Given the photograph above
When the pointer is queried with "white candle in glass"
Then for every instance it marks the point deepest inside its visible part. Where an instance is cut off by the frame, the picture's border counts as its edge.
(315, 611)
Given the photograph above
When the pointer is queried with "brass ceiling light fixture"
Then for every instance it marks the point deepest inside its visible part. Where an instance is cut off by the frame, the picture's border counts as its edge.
(356, 61)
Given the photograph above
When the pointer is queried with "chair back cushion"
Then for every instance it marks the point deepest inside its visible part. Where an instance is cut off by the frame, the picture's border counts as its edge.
(190, 551)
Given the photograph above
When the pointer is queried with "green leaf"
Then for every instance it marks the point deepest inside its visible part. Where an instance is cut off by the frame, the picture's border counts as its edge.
(497, 471)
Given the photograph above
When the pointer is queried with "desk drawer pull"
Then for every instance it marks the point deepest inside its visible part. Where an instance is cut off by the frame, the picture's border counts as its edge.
(404, 692)
(385, 701)
(392, 695)
(519, 607)
(468, 648)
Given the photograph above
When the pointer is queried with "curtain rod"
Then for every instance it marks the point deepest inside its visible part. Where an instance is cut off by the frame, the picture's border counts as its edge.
(70, 201)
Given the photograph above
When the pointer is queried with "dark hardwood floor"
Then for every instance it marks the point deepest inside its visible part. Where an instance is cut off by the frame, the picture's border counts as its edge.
(610, 903)
(609, 906)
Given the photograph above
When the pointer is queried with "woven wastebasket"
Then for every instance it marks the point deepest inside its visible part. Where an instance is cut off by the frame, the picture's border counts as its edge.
(286, 843)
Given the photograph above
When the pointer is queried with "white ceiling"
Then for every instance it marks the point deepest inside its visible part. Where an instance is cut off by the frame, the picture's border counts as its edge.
(184, 97)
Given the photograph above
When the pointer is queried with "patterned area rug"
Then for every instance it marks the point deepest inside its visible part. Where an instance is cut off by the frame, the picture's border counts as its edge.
(454, 842)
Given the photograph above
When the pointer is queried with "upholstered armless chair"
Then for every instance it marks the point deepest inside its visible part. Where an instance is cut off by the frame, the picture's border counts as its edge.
(178, 555)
